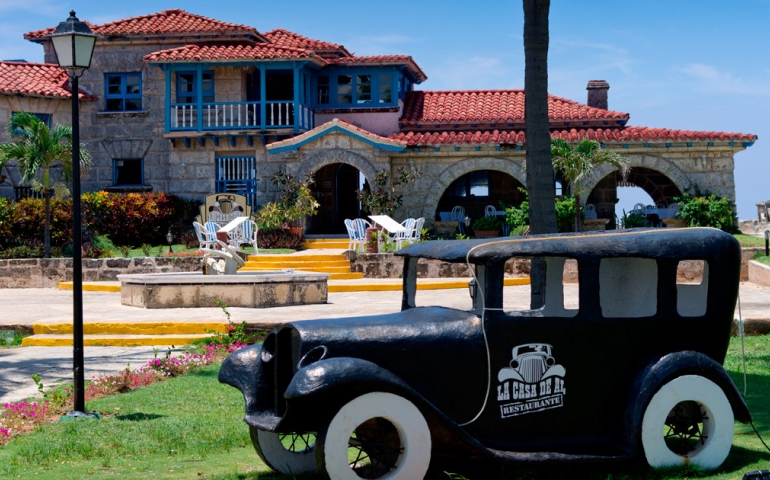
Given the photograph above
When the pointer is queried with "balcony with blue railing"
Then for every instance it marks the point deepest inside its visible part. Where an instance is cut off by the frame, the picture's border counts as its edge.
(229, 116)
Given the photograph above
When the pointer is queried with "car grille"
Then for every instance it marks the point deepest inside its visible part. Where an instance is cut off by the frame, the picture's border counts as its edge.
(531, 368)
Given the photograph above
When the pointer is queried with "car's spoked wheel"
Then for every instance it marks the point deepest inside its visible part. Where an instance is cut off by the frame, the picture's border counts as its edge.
(689, 421)
(684, 427)
(292, 453)
(376, 436)
(374, 448)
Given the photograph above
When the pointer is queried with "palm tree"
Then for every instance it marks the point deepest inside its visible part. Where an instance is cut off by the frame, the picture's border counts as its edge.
(37, 149)
(575, 163)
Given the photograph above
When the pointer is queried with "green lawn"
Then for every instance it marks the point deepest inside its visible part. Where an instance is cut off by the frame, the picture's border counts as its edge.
(762, 259)
(750, 240)
(192, 427)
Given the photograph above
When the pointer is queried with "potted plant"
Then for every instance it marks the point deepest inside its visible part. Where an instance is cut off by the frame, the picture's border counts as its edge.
(487, 227)
(381, 198)
(295, 203)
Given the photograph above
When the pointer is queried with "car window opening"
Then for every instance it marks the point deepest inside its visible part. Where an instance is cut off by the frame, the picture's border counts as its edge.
(628, 287)
(561, 290)
(691, 287)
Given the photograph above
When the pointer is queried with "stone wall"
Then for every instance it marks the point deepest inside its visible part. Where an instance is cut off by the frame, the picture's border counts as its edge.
(47, 273)
(759, 273)
(387, 265)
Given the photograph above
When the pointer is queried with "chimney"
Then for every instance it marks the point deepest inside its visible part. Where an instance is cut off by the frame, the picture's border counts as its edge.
(597, 93)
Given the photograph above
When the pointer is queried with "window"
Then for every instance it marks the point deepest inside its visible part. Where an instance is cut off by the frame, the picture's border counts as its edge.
(123, 92)
(692, 287)
(127, 171)
(344, 89)
(628, 287)
(323, 89)
(385, 89)
(45, 117)
(354, 90)
(474, 184)
(187, 87)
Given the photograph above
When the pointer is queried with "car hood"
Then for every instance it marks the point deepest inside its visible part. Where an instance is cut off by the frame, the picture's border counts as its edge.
(437, 351)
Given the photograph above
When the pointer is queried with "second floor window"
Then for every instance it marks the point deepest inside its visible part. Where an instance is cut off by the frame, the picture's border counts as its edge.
(362, 90)
(123, 92)
(187, 87)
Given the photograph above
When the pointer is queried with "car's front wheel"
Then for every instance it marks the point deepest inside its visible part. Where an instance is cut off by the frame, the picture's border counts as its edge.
(689, 421)
(290, 454)
(376, 436)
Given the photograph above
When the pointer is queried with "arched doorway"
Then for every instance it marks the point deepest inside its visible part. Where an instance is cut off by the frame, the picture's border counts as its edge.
(335, 189)
(479, 188)
(660, 188)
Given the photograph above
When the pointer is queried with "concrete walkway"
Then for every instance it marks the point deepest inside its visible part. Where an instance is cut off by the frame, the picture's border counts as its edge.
(29, 306)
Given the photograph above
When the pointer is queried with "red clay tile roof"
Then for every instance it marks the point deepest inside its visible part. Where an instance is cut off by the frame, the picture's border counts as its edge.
(240, 51)
(506, 107)
(285, 38)
(320, 130)
(604, 135)
(405, 60)
(162, 23)
(36, 80)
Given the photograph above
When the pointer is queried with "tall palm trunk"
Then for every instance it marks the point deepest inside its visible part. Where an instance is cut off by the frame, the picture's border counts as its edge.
(577, 211)
(542, 214)
(542, 209)
(47, 228)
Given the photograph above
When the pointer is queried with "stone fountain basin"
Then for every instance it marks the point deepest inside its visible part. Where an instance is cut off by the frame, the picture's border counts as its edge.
(254, 289)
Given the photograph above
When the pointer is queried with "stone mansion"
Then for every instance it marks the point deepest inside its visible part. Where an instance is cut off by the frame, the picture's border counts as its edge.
(190, 105)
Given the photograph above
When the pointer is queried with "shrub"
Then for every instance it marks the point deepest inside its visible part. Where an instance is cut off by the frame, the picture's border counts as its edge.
(519, 231)
(27, 249)
(565, 214)
(7, 208)
(29, 220)
(707, 209)
(633, 220)
(487, 223)
(278, 238)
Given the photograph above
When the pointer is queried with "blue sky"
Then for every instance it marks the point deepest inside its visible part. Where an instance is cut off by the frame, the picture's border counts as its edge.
(689, 64)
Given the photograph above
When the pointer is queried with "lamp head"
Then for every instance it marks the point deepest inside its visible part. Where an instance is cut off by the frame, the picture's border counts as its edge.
(169, 237)
(73, 42)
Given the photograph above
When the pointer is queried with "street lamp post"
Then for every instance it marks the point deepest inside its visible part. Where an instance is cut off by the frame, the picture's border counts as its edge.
(73, 43)
(170, 240)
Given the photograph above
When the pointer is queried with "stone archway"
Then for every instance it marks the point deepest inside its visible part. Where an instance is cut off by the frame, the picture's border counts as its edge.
(328, 157)
(647, 162)
(462, 167)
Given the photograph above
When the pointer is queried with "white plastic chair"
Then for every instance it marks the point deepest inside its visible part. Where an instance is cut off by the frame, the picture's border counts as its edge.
(417, 229)
(359, 231)
(406, 235)
(458, 213)
(673, 209)
(352, 239)
(490, 211)
(206, 238)
(590, 211)
(246, 232)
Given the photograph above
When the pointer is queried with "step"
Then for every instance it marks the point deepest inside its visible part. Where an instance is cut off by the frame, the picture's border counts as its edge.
(422, 284)
(300, 264)
(139, 328)
(93, 286)
(58, 340)
(306, 268)
(291, 258)
(344, 244)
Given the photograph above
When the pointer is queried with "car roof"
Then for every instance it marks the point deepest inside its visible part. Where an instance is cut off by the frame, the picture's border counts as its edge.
(678, 243)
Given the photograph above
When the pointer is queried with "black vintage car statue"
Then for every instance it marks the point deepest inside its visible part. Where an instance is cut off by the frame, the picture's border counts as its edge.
(633, 369)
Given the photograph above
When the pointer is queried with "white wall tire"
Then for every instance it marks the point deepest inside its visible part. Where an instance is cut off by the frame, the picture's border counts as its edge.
(716, 424)
(289, 461)
(402, 424)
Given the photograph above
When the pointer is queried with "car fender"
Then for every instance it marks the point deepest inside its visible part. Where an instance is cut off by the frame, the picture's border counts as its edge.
(664, 369)
(241, 369)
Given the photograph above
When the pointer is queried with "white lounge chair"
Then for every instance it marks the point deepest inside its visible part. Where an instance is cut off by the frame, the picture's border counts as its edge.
(206, 238)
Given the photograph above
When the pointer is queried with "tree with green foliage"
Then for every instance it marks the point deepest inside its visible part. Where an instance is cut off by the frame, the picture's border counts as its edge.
(707, 209)
(36, 150)
(576, 162)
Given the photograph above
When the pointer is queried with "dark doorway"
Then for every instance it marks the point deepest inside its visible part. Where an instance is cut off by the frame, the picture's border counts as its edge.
(335, 189)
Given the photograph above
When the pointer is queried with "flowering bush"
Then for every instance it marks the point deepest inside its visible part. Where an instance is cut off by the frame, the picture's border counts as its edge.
(23, 416)
(184, 254)
(19, 417)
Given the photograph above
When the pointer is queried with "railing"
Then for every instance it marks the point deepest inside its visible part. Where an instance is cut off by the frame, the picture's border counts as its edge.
(239, 115)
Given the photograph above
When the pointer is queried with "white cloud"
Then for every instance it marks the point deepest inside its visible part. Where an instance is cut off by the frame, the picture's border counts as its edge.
(708, 78)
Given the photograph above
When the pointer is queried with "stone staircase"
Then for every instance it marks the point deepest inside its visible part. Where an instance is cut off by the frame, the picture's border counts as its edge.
(327, 259)
(119, 334)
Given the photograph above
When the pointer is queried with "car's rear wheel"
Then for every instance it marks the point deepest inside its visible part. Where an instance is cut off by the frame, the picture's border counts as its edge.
(689, 421)
(291, 454)
(376, 436)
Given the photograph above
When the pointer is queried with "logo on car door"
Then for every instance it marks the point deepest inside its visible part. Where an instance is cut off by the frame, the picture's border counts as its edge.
(532, 381)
